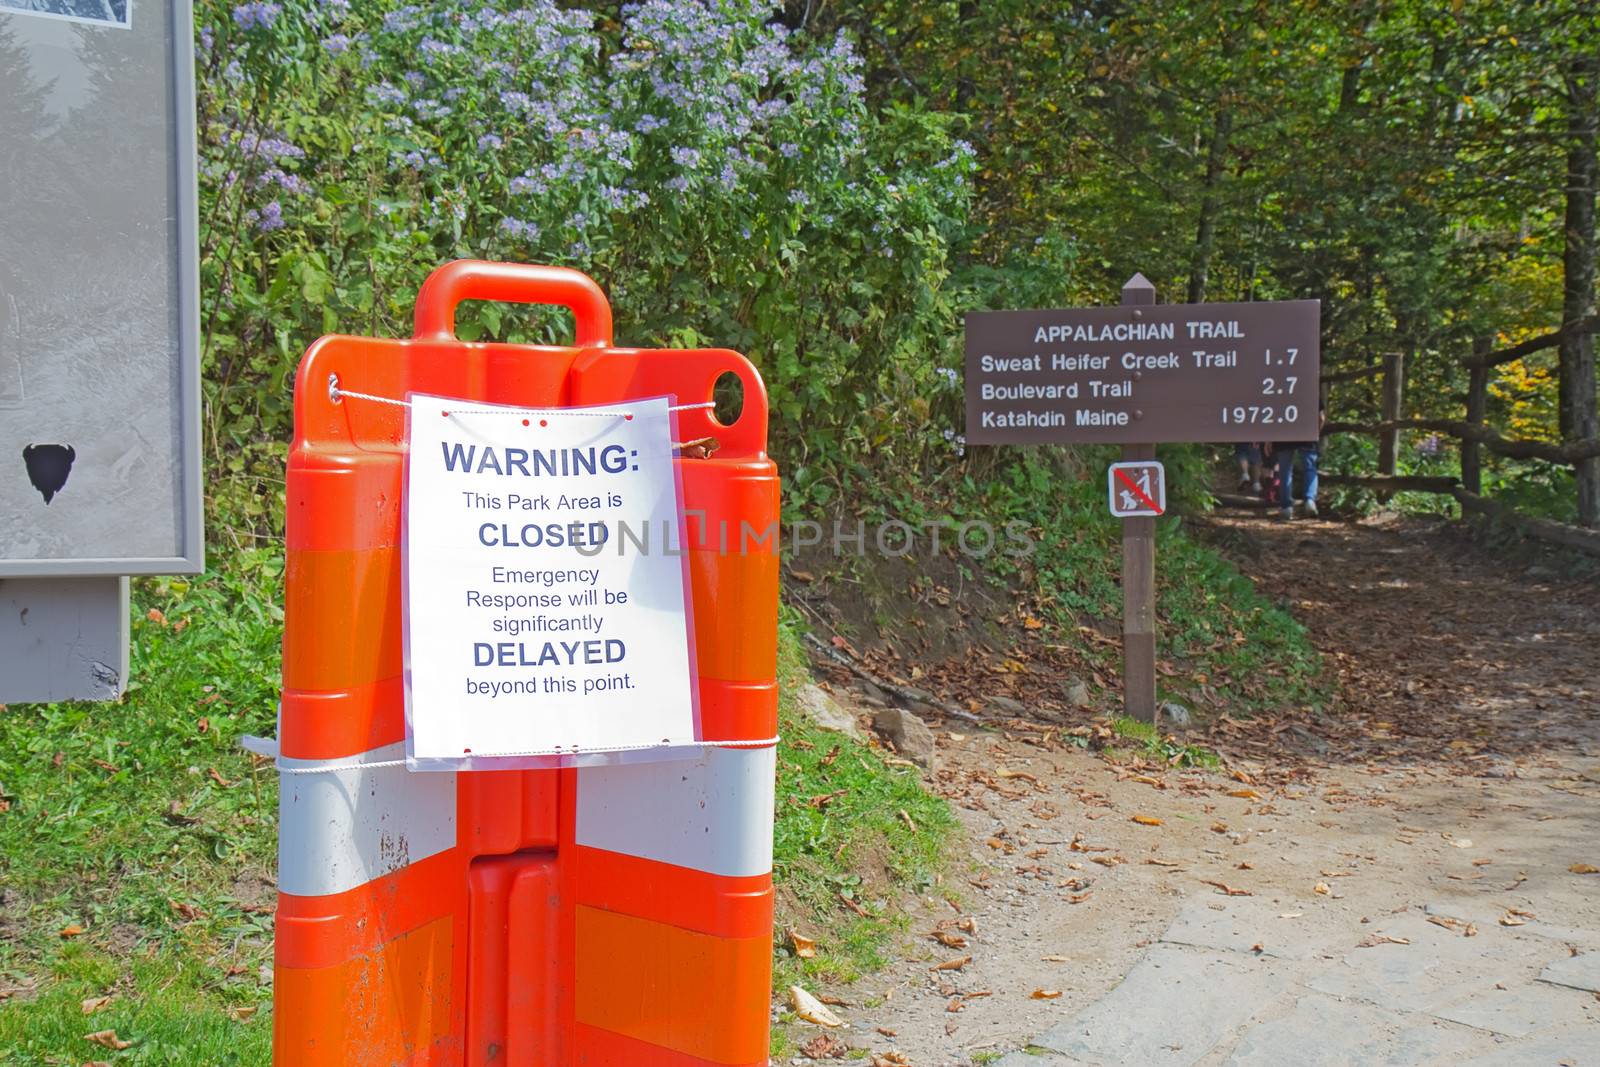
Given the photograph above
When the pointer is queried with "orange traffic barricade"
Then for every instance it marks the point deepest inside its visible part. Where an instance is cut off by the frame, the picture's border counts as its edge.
(599, 915)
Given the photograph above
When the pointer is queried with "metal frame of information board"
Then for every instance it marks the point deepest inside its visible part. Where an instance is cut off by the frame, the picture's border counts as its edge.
(189, 520)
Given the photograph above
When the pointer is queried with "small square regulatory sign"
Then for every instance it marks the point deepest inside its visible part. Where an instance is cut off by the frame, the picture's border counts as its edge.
(1137, 489)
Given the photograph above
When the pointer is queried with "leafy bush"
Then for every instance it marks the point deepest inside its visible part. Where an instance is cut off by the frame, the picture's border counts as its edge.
(721, 175)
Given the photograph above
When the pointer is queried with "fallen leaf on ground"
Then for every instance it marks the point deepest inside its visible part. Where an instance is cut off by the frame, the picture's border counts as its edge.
(889, 1059)
(1584, 868)
(952, 965)
(1509, 919)
(852, 905)
(1162, 863)
(1147, 820)
(886, 1032)
(811, 1009)
(1078, 898)
(94, 1004)
(71, 931)
(1321, 887)
(947, 939)
(107, 1039)
(1056, 959)
(1245, 794)
(829, 998)
(242, 1012)
(1372, 940)
(804, 947)
(1003, 773)
(1228, 890)
(825, 1047)
(1045, 994)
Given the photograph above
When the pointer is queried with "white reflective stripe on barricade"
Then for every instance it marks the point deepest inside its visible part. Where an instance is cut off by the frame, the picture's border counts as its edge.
(344, 827)
(711, 812)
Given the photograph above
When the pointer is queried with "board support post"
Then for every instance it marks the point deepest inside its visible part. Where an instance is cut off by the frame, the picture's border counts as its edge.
(1139, 574)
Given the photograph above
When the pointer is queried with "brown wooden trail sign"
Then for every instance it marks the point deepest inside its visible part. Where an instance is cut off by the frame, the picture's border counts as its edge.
(1134, 375)
(1144, 372)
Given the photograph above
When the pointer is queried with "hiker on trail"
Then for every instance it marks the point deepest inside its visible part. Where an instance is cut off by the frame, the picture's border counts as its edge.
(1248, 453)
(1309, 451)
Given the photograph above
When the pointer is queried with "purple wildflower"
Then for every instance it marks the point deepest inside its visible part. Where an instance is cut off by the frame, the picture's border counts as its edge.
(257, 13)
(271, 217)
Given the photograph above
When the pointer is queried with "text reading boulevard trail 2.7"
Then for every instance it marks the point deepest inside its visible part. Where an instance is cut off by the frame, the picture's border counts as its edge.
(1147, 373)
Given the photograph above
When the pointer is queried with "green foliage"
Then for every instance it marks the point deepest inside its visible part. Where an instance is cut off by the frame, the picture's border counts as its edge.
(724, 179)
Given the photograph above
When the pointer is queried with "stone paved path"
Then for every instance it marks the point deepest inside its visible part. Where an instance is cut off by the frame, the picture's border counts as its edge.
(1514, 996)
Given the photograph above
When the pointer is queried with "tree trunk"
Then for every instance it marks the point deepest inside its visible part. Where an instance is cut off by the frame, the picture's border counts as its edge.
(1477, 406)
(1579, 418)
(1205, 237)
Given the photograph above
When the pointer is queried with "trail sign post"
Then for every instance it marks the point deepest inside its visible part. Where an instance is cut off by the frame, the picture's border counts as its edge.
(1134, 375)
(1138, 558)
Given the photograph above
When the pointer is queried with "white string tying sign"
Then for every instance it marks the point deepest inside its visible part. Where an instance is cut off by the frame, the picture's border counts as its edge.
(337, 394)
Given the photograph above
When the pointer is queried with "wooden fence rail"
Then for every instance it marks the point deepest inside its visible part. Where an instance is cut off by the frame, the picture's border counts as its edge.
(1473, 435)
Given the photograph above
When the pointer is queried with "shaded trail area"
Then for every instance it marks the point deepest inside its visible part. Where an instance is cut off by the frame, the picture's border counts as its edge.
(1411, 878)
(1442, 649)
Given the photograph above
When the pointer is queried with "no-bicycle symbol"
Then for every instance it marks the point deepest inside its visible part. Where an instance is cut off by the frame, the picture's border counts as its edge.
(1137, 489)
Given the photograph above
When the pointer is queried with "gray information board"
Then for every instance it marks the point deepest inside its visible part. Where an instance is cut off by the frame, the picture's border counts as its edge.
(1143, 374)
(99, 291)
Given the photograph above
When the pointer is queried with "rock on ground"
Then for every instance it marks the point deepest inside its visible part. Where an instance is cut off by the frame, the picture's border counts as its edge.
(823, 710)
(909, 734)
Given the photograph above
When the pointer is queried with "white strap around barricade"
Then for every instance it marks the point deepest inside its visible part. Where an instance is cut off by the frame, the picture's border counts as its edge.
(267, 746)
(338, 394)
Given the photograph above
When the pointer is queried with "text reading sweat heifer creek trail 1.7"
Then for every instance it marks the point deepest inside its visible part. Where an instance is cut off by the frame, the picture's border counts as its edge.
(540, 609)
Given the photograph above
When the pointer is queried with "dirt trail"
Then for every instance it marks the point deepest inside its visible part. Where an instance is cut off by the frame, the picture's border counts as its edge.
(1459, 781)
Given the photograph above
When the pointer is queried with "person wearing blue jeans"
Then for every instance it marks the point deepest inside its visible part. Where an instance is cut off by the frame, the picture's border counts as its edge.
(1284, 454)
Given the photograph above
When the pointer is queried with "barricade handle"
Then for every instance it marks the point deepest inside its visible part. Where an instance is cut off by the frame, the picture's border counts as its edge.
(517, 283)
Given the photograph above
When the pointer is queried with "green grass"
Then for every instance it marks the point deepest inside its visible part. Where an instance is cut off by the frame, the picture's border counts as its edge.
(881, 838)
(176, 1007)
(1223, 646)
(114, 822)
(1145, 740)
